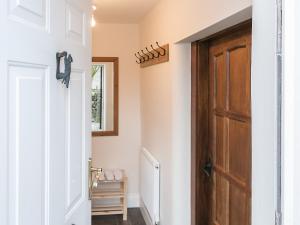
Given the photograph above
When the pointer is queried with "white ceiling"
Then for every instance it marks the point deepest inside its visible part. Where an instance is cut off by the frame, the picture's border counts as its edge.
(122, 11)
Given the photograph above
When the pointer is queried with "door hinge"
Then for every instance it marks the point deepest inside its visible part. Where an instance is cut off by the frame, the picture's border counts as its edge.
(278, 218)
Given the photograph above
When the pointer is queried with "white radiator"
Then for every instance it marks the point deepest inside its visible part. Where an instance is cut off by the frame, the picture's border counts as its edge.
(149, 187)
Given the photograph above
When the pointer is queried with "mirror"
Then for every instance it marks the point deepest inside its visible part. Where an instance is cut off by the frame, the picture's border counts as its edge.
(105, 89)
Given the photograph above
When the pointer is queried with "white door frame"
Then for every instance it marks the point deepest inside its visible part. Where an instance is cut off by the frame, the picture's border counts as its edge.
(265, 104)
(291, 112)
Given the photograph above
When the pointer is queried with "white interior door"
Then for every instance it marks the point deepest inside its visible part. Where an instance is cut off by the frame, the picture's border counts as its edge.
(44, 127)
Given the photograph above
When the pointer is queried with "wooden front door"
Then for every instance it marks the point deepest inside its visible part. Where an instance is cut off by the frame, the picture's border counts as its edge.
(221, 128)
(230, 128)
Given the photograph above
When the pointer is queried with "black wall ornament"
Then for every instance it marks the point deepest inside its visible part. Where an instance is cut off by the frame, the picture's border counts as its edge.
(65, 77)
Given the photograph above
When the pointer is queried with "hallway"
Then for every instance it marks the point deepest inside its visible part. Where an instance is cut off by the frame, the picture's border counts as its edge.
(142, 112)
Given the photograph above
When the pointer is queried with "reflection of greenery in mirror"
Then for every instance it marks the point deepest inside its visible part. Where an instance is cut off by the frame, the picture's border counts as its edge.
(97, 97)
(95, 69)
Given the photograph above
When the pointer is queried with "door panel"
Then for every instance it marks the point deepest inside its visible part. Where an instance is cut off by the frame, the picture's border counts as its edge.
(28, 149)
(230, 128)
(220, 80)
(29, 12)
(75, 151)
(221, 211)
(220, 143)
(239, 78)
(77, 41)
(239, 150)
(238, 206)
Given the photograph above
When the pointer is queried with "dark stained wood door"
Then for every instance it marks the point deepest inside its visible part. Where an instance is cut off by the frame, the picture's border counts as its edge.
(230, 128)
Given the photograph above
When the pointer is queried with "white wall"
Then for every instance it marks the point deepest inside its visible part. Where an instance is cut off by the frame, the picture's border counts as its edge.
(121, 40)
(165, 98)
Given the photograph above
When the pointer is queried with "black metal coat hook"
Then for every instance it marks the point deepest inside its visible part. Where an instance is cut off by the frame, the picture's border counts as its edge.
(142, 57)
(152, 55)
(140, 60)
(165, 51)
(158, 53)
(65, 77)
(147, 56)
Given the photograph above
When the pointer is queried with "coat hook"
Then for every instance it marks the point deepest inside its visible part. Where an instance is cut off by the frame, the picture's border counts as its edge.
(152, 55)
(140, 60)
(144, 60)
(162, 49)
(158, 53)
(147, 59)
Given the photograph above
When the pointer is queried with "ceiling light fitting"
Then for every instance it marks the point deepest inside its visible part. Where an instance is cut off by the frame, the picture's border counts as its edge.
(93, 21)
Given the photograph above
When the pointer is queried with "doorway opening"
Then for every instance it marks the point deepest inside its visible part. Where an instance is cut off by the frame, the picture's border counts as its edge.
(221, 128)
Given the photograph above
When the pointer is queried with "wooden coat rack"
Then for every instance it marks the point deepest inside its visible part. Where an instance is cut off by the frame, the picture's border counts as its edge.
(153, 56)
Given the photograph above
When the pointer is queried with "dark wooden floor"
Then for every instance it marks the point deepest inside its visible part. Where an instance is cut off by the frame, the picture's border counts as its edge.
(134, 218)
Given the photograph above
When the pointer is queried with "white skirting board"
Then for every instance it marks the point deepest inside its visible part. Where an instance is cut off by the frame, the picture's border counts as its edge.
(133, 200)
(145, 213)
